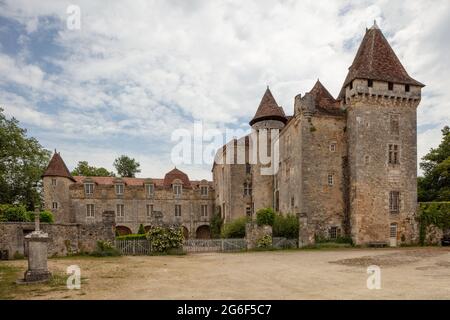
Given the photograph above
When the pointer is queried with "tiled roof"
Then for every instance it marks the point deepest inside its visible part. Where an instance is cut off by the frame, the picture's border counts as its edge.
(376, 60)
(126, 181)
(324, 101)
(268, 109)
(57, 168)
(176, 174)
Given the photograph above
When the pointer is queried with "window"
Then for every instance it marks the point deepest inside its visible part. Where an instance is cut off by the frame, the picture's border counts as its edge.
(394, 202)
(407, 88)
(55, 205)
(367, 159)
(394, 124)
(393, 230)
(150, 189)
(333, 233)
(351, 85)
(248, 211)
(292, 201)
(248, 168)
(204, 190)
(247, 189)
(393, 154)
(333, 147)
(90, 211)
(177, 210)
(119, 189)
(330, 179)
(370, 83)
(149, 210)
(177, 189)
(204, 210)
(88, 188)
(390, 86)
(120, 212)
(53, 182)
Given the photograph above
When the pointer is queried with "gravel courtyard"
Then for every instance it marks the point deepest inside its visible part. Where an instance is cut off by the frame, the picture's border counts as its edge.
(407, 273)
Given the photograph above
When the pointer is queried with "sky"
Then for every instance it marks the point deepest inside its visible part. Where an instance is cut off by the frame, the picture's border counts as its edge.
(134, 72)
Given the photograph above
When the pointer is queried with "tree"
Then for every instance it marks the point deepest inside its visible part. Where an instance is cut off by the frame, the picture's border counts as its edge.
(126, 166)
(22, 162)
(141, 229)
(435, 184)
(84, 169)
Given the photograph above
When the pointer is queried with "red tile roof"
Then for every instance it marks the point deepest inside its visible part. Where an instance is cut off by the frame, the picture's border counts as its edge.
(268, 109)
(112, 180)
(176, 174)
(324, 101)
(376, 60)
(57, 168)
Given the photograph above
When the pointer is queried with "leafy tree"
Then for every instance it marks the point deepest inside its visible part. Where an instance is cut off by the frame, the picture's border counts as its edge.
(126, 166)
(216, 225)
(235, 228)
(286, 226)
(435, 184)
(265, 216)
(84, 169)
(141, 229)
(22, 162)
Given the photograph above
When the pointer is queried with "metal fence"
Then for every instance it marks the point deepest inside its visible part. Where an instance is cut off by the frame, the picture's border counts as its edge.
(134, 247)
(284, 243)
(214, 245)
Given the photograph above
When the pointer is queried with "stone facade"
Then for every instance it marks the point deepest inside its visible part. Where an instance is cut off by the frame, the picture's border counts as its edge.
(347, 166)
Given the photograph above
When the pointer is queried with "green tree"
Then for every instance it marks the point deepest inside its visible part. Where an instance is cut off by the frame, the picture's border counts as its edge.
(141, 229)
(435, 184)
(22, 162)
(216, 225)
(126, 166)
(84, 169)
(265, 216)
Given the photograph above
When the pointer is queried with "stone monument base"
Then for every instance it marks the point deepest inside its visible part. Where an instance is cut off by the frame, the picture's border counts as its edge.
(37, 275)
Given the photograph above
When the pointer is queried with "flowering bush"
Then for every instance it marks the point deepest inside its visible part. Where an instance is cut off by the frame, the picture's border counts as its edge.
(164, 239)
(106, 249)
(264, 242)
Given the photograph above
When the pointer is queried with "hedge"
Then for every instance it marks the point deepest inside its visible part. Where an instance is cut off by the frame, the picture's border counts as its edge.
(286, 226)
(235, 228)
(433, 213)
(18, 213)
(132, 237)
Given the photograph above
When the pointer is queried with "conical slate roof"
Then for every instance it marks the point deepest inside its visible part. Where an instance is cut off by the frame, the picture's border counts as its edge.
(268, 109)
(176, 174)
(57, 168)
(376, 60)
(324, 101)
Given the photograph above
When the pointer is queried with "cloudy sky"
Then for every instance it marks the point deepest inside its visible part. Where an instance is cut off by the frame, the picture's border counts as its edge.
(135, 71)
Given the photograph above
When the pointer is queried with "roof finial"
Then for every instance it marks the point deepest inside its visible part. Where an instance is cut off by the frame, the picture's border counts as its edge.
(375, 26)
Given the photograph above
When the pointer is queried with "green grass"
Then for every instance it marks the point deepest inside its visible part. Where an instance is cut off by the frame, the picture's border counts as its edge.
(8, 276)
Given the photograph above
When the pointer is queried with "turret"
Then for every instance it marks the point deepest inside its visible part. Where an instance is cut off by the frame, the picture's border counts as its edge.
(56, 182)
(380, 99)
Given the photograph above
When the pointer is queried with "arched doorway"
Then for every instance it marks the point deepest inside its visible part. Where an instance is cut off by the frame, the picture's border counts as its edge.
(203, 232)
(185, 232)
(147, 228)
(122, 230)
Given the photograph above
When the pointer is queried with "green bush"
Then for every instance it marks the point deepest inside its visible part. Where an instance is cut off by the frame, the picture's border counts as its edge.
(264, 242)
(106, 249)
(141, 229)
(216, 225)
(44, 216)
(165, 239)
(235, 228)
(11, 213)
(286, 226)
(265, 217)
(433, 213)
(132, 237)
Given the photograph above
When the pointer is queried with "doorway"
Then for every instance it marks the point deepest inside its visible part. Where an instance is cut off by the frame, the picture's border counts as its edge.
(393, 235)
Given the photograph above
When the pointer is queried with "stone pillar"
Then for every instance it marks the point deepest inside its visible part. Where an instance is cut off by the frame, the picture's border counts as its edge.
(306, 236)
(37, 254)
(253, 233)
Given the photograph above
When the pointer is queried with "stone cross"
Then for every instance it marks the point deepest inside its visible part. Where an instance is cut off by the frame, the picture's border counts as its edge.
(36, 220)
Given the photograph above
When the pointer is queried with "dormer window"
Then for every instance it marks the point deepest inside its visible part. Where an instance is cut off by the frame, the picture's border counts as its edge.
(88, 188)
(119, 188)
(370, 83)
(204, 190)
(390, 86)
(177, 189)
(407, 89)
(150, 189)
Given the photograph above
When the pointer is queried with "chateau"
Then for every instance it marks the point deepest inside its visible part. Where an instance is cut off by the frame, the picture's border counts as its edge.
(346, 166)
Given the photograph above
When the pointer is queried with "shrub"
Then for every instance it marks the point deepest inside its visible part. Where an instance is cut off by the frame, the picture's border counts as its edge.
(264, 242)
(141, 229)
(216, 225)
(286, 226)
(132, 237)
(265, 217)
(436, 213)
(44, 216)
(13, 213)
(164, 239)
(106, 249)
(235, 228)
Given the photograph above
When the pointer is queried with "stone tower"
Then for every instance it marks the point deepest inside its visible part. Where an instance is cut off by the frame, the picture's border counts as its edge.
(269, 118)
(381, 99)
(56, 182)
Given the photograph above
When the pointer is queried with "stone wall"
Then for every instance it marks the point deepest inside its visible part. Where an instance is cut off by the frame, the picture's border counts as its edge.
(65, 238)
(254, 233)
